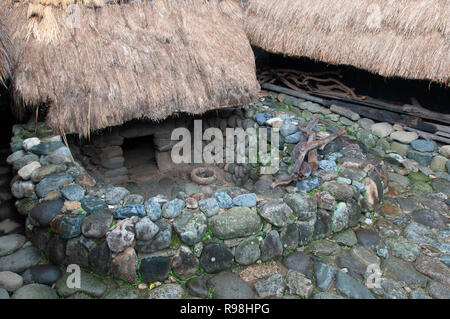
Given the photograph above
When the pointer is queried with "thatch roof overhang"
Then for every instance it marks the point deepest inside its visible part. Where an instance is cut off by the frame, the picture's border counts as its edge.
(401, 38)
(91, 65)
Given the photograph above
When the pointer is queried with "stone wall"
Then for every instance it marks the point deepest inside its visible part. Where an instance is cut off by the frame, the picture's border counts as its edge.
(111, 231)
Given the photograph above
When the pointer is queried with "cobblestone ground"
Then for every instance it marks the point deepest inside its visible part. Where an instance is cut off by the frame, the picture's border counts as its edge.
(371, 222)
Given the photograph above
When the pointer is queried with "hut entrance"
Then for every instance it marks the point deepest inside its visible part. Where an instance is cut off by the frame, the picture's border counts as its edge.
(139, 155)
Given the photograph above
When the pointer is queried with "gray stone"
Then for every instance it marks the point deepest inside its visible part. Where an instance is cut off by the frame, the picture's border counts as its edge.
(11, 243)
(303, 205)
(391, 290)
(227, 285)
(125, 265)
(43, 213)
(167, 291)
(247, 252)
(324, 275)
(154, 268)
(10, 281)
(129, 211)
(326, 295)
(401, 247)
(46, 148)
(92, 204)
(300, 262)
(97, 224)
(209, 206)
(272, 246)
(421, 158)
(42, 274)
(99, 258)
(288, 129)
(293, 138)
(433, 268)
(3, 294)
(51, 183)
(324, 248)
(116, 195)
(441, 185)
(346, 237)
(276, 212)
(368, 238)
(191, 226)
(146, 229)
(364, 255)
(153, 210)
(438, 291)
(418, 295)
(20, 260)
(355, 268)
(161, 241)
(121, 236)
(216, 258)
(73, 192)
(197, 287)
(123, 293)
(382, 251)
(184, 263)
(351, 288)
(235, 222)
(35, 291)
(340, 192)
(173, 208)
(403, 271)
(24, 161)
(290, 236)
(308, 184)
(382, 129)
(223, 199)
(404, 136)
(429, 218)
(245, 200)
(327, 165)
(339, 219)
(89, 284)
(273, 286)
(299, 284)
(70, 226)
(423, 145)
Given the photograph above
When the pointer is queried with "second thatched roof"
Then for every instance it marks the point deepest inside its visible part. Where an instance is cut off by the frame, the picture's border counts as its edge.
(403, 38)
(91, 65)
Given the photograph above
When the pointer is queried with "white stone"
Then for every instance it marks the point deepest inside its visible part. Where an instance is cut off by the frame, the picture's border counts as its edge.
(445, 150)
(30, 142)
(275, 122)
(26, 171)
(15, 156)
(404, 137)
(382, 129)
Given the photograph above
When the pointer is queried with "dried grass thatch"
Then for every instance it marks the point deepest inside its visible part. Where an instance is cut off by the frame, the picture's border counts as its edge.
(5, 64)
(128, 61)
(404, 38)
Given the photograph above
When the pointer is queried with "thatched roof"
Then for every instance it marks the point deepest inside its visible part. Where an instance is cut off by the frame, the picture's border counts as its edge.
(404, 38)
(127, 61)
(5, 66)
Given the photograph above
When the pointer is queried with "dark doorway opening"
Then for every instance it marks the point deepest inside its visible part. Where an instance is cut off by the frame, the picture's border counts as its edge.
(139, 155)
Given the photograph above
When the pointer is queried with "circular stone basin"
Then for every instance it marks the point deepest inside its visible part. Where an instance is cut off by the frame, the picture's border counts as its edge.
(203, 176)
